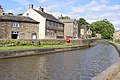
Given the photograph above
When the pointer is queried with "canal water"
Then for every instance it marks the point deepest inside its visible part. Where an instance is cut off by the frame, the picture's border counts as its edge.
(73, 65)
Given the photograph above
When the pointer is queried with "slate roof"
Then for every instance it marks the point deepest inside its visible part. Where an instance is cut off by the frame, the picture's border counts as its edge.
(17, 18)
(48, 16)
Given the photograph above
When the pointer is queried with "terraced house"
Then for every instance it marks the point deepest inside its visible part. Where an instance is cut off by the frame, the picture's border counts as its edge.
(49, 26)
(17, 27)
(71, 28)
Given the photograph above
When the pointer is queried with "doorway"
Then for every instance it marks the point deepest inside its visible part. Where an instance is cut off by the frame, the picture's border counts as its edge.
(14, 35)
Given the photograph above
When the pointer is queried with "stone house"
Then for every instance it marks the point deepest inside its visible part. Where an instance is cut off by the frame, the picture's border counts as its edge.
(116, 35)
(70, 27)
(49, 26)
(17, 27)
(85, 32)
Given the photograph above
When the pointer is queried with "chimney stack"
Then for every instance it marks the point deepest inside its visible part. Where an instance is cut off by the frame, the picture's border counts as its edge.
(41, 9)
(30, 6)
(1, 10)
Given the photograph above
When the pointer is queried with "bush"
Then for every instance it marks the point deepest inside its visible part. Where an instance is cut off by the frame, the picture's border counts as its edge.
(14, 43)
(52, 43)
(23, 42)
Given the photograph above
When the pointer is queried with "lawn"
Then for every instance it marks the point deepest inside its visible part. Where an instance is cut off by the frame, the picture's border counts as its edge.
(33, 47)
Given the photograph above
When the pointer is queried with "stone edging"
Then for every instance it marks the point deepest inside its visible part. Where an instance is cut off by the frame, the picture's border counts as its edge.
(112, 71)
(18, 53)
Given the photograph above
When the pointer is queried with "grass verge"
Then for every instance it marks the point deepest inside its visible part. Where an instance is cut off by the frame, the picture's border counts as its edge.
(33, 47)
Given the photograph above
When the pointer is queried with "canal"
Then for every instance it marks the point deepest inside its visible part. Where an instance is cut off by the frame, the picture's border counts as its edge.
(73, 65)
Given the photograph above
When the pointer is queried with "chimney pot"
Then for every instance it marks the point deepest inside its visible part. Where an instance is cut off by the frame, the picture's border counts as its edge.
(30, 6)
(41, 9)
(1, 10)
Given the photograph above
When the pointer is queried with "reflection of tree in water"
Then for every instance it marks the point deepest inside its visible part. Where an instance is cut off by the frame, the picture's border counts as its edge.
(3, 32)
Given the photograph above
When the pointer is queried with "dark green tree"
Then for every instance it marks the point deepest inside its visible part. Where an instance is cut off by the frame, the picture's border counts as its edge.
(66, 17)
(103, 27)
(82, 21)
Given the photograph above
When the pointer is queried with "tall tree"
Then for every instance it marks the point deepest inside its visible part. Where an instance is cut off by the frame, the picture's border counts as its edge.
(66, 17)
(82, 21)
(103, 27)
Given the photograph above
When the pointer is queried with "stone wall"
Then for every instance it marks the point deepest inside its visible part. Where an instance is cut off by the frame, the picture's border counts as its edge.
(25, 29)
(111, 72)
(16, 53)
(5, 29)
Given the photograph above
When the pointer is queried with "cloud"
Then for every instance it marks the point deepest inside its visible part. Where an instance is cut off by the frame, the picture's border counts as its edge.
(104, 1)
(76, 10)
(42, 1)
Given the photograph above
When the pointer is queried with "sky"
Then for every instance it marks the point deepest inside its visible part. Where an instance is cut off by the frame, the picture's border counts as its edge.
(91, 10)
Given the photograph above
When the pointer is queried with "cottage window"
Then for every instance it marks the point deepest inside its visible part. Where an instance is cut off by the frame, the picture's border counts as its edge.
(15, 24)
(27, 14)
(54, 24)
(34, 36)
(50, 23)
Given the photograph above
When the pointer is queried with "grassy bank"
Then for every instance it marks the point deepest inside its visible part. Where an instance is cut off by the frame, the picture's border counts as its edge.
(5, 48)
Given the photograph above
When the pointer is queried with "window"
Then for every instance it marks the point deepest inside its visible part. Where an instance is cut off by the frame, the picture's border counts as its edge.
(34, 36)
(15, 24)
(27, 14)
(54, 24)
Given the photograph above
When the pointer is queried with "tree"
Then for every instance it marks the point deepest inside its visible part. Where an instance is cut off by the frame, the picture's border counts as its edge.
(66, 17)
(82, 21)
(103, 27)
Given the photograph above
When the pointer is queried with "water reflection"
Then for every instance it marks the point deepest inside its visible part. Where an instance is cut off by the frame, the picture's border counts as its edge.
(73, 65)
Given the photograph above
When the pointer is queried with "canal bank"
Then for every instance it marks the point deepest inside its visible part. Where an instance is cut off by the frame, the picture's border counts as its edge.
(113, 72)
(81, 64)
(79, 44)
(30, 52)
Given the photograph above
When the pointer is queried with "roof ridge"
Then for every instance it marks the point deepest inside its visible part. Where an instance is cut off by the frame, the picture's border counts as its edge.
(16, 18)
(48, 16)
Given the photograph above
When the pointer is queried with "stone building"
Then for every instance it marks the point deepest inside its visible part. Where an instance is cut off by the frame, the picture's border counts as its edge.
(49, 26)
(18, 27)
(70, 27)
(85, 32)
(116, 35)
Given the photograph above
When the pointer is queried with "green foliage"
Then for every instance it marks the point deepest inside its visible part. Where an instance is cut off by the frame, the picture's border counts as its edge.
(82, 21)
(14, 43)
(66, 17)
(52, 43)
(103, 27)
(23, 43)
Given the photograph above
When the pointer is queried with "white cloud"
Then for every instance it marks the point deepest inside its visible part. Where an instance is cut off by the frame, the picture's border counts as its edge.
(51, 8)
(116, 24)
(76, 10)
(104, 1)
(58, 14)
(42, 1)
